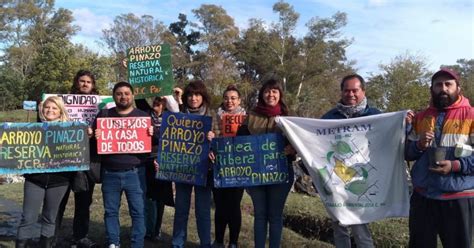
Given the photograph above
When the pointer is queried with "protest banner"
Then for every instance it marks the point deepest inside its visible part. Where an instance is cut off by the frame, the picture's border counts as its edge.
(83, 107)
(230, 124)
(252, 160)
(150, 71)
(43, 147)
(183, 149)
(124, 135)
(358, 169)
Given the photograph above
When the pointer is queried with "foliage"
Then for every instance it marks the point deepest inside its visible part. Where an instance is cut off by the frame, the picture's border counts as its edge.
(217, 65)
(402, 84)
(129, 30)
(38, 54)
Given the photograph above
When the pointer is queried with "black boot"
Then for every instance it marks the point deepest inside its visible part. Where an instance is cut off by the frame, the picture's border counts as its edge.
(21, 243)
(46, 242)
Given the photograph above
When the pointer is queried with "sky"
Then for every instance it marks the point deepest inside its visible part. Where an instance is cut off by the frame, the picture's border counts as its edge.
(438, 31)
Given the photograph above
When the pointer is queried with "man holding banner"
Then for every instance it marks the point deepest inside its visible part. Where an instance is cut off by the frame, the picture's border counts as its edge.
(443, 174)
(358, 170)
(83, 84)
(123, 162)
(353, 104)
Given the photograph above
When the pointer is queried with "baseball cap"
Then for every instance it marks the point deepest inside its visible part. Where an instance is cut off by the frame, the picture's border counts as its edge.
(445, 71)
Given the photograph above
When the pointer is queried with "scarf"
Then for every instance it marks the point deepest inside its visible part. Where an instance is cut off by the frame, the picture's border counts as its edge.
(197, 111)
(268, 111)
(351, 111)
(238, 110)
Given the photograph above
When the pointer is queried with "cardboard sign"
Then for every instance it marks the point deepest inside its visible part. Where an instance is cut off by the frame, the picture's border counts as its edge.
(29, 105)
(184, 148)
(252, 160)
(84, 107)
(230, 124)
(124, 135)
(43, 147)
(150, 71)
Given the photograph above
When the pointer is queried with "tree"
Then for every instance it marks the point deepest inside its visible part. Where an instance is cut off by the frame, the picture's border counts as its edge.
(184, 66)
(402, 84)
(282, 31)
(218, 36)
(37, 48)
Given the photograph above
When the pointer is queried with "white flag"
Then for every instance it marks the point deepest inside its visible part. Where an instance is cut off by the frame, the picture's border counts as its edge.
(356, 164)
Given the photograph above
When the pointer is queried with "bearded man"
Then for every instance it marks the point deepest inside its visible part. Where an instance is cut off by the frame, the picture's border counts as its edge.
(442, 202)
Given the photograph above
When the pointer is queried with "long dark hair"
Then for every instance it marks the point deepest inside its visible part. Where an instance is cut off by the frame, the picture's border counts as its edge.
(199, 88)
(273, 83)
(75, 89)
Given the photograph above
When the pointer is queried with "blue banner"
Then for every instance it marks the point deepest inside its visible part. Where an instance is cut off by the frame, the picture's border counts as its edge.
(43, 147)
(253, 160)
(183, 150)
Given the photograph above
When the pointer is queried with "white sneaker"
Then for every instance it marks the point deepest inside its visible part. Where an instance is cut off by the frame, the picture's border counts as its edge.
(114, 246)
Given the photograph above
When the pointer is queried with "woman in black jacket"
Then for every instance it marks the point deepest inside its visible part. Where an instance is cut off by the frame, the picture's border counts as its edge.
(43, 189)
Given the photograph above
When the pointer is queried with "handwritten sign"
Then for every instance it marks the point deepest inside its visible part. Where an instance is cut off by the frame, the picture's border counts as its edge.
(43, 147)
(252, 160)
(29, 105)
(150, 71)
(230, 124)
(83, 107)
(124, 135)
(184, 149)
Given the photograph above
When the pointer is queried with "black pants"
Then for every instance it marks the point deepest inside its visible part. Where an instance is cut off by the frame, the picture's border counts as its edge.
(451, 219)
(83, 201)
(227, 212)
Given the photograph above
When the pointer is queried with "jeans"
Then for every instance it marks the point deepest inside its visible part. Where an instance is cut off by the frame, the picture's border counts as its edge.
(202, 207)
(268, 203)
(34, 197)
(361, 233)
(131, 182)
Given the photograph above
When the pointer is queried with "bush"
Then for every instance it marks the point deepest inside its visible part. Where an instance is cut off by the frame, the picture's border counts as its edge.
(307, 215)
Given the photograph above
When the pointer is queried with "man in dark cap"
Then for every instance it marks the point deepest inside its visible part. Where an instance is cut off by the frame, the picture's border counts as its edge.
(443, 174)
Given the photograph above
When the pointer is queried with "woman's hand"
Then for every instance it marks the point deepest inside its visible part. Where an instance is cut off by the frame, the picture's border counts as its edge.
(157, 166)
(98, 133)
(210, 135)
(212, 156)
(90, 132)
(150, 131)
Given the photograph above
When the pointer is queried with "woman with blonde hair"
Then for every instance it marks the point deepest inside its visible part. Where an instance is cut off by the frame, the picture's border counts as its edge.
(43, 189)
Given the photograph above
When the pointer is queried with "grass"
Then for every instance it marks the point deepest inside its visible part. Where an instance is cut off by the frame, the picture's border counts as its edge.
(18, 115)
(290, 238)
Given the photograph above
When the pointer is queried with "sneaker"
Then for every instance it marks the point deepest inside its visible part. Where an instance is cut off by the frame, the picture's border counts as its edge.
(85, 243)
(114, 246)
(232, 246)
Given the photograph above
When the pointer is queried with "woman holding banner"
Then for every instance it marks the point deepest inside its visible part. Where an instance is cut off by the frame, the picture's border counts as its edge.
(196, 101)
(43, 189)
(158, 192)
(268, 200)
(227, 200)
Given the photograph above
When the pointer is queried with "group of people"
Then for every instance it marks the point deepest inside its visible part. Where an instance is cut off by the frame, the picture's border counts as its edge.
(442, 202)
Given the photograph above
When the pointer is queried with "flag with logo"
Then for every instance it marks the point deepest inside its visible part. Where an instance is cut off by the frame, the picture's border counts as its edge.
(357, 164)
